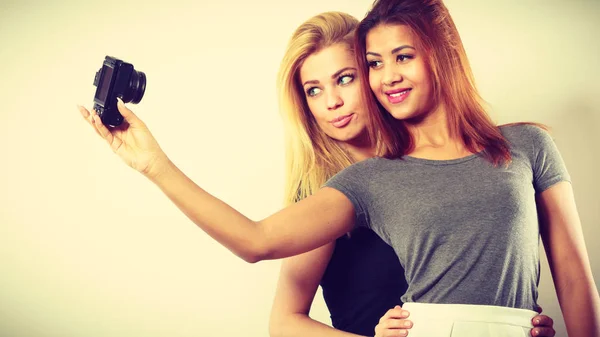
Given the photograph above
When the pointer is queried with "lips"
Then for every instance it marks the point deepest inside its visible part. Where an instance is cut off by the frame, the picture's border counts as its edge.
(341, 121)
(397, 95)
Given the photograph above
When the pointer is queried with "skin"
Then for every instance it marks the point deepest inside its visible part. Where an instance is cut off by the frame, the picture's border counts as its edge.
(136, 146)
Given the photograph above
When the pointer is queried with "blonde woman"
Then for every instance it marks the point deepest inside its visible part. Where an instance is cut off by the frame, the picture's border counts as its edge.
(326, 132)
(324, 118)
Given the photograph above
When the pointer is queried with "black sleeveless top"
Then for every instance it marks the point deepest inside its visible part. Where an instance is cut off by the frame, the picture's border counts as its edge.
(364, 279)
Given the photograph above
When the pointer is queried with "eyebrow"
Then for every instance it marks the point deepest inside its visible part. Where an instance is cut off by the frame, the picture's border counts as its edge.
(394, 51)
(336, 74)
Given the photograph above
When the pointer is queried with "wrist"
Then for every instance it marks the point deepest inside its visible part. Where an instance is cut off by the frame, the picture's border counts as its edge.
(160, 168)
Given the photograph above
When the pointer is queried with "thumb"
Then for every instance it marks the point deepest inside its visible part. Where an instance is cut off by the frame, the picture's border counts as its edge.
(127, 114)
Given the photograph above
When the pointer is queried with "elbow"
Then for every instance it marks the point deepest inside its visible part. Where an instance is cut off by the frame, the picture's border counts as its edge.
(251, 258)
(256, 249)
(252, 255)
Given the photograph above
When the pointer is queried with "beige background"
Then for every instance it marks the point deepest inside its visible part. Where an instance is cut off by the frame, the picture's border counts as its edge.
(88, 247)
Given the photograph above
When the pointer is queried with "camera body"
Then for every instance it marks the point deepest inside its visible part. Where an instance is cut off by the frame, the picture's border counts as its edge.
(115, 79)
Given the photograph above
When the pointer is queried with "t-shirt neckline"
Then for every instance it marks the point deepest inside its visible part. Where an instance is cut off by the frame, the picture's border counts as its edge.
(442, 161)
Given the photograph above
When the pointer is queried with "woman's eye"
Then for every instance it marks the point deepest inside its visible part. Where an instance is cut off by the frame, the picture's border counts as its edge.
(313, 92)
(374, 64)
(346, 79)
(403, 57)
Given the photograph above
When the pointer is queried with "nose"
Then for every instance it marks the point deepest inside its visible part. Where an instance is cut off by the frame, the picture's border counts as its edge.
(334, 101)
(391, 76)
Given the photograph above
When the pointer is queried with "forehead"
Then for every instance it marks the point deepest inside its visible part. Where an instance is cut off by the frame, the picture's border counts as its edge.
(324, 63)
(385, 37)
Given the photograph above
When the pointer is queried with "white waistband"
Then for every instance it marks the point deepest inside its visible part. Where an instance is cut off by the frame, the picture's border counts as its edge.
(470, 312)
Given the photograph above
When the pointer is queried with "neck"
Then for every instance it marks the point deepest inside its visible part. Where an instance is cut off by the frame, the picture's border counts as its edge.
(359, 148)
(433, 138)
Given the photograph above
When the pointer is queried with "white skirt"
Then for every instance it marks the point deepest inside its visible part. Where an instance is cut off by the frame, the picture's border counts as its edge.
(466, 320)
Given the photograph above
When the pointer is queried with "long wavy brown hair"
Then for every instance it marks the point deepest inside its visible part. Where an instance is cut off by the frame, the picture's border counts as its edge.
(453, 82)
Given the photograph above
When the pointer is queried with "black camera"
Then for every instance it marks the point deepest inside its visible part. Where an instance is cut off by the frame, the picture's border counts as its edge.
(116, 79)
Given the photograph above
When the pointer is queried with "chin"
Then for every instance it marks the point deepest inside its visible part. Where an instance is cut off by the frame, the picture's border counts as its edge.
(346, 135)
(401, 114)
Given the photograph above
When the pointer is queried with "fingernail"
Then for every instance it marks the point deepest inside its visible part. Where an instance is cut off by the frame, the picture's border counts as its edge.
(403, 333)
(119, 101)
(404, 314)
(407, 323)
(537, 321)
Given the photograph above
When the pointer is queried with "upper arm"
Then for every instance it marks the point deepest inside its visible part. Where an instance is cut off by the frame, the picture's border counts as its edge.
(562, 235)
(310, 223)
(299, 279)
(560, 226)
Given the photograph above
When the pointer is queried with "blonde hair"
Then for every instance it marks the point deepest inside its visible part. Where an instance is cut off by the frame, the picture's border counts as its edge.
(311, 156)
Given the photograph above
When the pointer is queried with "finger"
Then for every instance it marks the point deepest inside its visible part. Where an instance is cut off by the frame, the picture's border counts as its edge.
(84, 112)
(543, 332)
(395, 333)
(398, 313)
(89, 117)
(103, 130)
(382, 330)
(93, 123)
(385, 316)
(542, 320)
(127, 114)
(395, 312)
(397, 324)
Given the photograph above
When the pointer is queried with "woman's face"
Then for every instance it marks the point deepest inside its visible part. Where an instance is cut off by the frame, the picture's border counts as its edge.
(330, 83)
(398, 74)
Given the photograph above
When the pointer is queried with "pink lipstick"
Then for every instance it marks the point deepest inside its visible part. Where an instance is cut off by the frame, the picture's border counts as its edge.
(397, 95)
(341, 121)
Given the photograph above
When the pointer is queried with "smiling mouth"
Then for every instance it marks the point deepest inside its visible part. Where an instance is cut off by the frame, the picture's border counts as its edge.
(397, 96)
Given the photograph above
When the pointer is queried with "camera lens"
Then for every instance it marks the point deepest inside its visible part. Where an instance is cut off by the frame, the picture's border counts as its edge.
(137, 86)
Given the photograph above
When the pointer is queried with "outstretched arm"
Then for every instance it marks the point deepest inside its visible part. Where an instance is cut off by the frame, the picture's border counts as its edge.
(299, 228)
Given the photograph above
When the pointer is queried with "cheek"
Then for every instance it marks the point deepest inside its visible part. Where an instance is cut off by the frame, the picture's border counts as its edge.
(421, 76)
(352, 97)
(316, 109)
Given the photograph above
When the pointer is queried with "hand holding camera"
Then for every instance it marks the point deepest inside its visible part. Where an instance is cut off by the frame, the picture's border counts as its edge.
(116, 79)
(128, 136)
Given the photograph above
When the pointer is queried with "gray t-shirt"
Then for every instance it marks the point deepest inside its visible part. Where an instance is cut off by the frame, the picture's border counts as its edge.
(465, 231)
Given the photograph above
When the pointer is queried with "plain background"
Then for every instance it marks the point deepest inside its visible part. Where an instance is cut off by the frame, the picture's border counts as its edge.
(88, 247)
